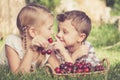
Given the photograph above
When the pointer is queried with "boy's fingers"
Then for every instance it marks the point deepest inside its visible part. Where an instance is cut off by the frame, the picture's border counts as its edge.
(57, 38)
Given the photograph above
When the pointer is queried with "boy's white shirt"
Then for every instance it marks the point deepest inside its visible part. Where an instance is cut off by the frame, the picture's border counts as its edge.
(14, 41)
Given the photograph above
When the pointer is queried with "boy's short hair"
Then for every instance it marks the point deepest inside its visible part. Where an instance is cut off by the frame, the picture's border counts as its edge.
(80, 21)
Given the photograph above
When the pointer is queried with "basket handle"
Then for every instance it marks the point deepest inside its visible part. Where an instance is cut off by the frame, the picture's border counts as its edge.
(50, 67)
(105, 60)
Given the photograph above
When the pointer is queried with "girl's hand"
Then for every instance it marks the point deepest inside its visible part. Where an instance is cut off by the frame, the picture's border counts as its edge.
(39, 41)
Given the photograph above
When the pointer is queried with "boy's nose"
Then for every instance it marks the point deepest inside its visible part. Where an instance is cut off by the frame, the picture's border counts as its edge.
(59, 35)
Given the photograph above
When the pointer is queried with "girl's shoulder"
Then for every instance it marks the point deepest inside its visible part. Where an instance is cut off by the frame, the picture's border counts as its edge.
(12, 39)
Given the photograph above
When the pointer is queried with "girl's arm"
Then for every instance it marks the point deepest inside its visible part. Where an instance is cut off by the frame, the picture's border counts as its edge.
(53, 61)
(15, 63)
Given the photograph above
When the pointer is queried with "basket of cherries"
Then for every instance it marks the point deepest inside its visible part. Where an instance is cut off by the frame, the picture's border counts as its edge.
(78, 68)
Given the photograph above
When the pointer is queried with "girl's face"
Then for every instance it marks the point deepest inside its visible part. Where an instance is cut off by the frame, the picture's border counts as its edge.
(67, 34)
(46, 29)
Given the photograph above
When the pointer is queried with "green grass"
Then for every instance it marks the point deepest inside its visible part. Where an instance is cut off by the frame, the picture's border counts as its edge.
(103, 38)
(104, 35)
(1, 44)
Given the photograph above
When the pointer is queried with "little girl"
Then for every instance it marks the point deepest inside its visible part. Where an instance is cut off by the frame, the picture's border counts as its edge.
(22, 52)
(74, 28)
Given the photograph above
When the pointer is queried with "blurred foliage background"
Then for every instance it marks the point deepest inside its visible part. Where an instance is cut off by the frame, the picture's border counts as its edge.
(115, 5)
(50, 4)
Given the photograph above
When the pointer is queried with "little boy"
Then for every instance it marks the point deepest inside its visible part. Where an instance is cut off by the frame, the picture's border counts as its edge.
(74, 28)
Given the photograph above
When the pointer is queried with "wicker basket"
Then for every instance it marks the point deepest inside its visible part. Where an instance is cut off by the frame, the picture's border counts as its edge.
(104, 61)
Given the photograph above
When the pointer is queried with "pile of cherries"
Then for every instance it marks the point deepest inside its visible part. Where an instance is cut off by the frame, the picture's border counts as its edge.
(77, 67)
(47, 50)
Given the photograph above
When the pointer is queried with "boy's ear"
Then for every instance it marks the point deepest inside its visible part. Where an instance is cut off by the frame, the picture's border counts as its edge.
(32, 31)
(82, 37)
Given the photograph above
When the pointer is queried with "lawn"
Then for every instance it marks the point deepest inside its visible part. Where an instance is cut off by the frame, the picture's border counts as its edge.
(103, 38)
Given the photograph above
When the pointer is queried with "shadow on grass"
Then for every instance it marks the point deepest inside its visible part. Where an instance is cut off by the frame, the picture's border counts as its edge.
(40, 74)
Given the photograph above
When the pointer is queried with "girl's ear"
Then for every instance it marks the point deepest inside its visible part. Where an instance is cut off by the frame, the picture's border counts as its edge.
(82, 37)
(32, 31)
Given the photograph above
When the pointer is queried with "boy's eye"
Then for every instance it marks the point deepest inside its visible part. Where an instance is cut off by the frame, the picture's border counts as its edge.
(65, 32)
(58, 29)
(50, 28)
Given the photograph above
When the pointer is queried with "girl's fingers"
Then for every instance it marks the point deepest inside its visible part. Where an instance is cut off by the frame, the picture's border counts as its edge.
(40, 42)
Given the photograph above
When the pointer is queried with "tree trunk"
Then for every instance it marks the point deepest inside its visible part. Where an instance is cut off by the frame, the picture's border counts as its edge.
(9, 10)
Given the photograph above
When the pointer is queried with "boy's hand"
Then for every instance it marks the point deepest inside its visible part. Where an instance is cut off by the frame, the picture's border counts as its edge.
(59, 46)
(82, 51)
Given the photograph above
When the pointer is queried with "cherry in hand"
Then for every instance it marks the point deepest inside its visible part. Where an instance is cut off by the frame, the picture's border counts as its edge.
(47, 50)
(50, 40)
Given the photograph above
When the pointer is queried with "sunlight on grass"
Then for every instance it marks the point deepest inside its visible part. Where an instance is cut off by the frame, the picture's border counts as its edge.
(1, 45)
(112, 56)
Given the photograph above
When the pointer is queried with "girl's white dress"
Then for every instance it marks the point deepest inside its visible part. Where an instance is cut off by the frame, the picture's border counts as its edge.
(14, 41)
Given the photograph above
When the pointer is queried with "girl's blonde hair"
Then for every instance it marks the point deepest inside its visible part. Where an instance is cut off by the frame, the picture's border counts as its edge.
(31, 15)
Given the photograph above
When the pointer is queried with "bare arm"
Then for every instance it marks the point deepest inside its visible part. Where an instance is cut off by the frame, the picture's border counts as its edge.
(83, 50)
(53, 61)
(15, 63)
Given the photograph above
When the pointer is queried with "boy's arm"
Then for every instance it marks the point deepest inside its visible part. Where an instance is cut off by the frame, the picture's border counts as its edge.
(67, 56)
(82, 51)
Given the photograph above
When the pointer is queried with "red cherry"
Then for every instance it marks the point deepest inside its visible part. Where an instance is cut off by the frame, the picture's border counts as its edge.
(62, 71)
(69, 70)
(88, 65)
(83, 62)
(73, 70)
(86, 70)
(84, 66)
(65, 67)
(57, 70)
(79, 71)
(80, 66)
(70, 64)
(49, 51)
(96, 68)
(50, 40)
(77, 64)
(101, 68)
(43, 52)
(62, 66)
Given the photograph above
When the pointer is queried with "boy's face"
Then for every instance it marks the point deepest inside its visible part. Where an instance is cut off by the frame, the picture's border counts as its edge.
(67, 33)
